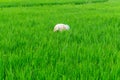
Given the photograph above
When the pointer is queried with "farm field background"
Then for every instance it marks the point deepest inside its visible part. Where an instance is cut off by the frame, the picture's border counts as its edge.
(30, 3)
(49, 1)
(30, 50)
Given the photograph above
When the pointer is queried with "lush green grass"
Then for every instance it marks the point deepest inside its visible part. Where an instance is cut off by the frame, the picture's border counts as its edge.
(30, 50)
(48, 1)
(19, 3)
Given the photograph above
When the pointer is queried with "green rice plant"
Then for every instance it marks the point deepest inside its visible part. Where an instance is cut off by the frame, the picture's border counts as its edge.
(90, 50)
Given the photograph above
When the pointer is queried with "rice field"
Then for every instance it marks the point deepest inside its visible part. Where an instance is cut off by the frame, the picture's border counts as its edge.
(49, 1)
(30, 50)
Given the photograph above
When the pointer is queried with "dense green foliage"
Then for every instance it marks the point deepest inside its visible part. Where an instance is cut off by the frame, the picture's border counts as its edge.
(90, 50)
(48, 1)
(18, 3)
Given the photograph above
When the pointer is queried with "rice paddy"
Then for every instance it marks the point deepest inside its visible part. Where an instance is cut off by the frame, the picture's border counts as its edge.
(30, 50)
